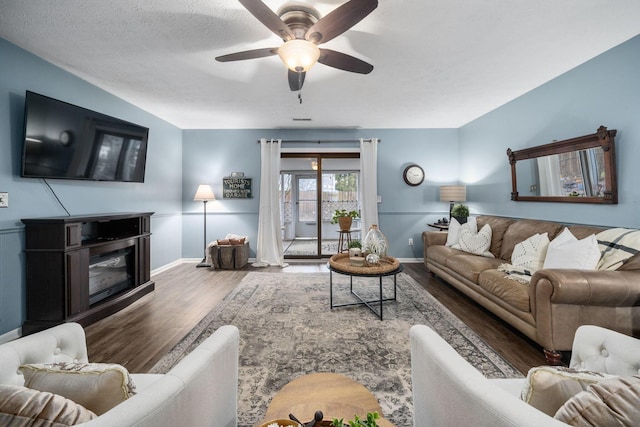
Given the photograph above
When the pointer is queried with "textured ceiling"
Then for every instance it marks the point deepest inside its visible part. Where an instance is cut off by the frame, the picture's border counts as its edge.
(437, 64)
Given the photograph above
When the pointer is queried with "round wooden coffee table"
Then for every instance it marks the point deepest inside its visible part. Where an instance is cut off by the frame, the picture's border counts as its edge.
(337, 396)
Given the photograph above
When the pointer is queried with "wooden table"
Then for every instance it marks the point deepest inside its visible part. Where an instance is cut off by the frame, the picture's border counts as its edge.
(337, 396)
(441, 227)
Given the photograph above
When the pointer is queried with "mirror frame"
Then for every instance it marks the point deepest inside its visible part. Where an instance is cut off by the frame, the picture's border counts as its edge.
(602, 138)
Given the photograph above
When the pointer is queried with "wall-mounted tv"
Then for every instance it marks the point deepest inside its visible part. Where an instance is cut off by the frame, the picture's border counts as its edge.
(65, 141)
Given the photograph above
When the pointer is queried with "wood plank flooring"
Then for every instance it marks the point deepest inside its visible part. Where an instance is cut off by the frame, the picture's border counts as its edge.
(138, 336)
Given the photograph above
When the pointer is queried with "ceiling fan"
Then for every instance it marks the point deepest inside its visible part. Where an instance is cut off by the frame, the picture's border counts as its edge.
(302, 30)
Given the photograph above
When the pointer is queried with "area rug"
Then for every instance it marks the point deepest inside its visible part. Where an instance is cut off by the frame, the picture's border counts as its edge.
(287, 330)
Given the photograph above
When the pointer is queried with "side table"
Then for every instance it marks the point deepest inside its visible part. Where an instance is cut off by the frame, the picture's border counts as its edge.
(344, 239)
(441, 227)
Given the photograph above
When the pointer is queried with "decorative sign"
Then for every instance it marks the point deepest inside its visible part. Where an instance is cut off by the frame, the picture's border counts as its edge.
(236, 188)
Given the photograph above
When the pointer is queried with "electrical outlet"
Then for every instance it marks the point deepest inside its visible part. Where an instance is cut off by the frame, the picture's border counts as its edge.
(4, 200)
(410, 242)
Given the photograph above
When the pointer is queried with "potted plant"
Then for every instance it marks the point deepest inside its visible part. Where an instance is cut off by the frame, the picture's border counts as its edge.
(344, 218)
(357, 422)
(460, 212)
(355, 248)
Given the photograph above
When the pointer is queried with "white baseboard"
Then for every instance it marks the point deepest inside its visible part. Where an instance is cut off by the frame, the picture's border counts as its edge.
(11, 335)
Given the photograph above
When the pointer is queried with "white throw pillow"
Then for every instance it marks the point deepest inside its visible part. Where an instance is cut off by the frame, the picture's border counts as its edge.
(530, 254)
(565, 251)
(476, 243)
(454, 229)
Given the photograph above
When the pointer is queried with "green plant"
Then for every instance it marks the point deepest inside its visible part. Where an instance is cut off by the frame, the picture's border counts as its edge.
(459, 210)
(339, 213)
(355, 243)
(357, 422)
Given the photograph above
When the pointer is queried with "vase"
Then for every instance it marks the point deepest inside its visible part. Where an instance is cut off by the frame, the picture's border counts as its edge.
(461, 219)
(375, 242)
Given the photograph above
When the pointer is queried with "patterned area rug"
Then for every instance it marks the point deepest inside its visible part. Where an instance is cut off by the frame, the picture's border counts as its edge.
(287, 330)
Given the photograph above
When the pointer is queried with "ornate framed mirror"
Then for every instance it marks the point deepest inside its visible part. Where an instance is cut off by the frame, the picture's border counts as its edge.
(576, 170)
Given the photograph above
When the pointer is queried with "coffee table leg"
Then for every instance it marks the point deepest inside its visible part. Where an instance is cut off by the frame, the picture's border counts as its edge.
(380, 297)
(331, 289)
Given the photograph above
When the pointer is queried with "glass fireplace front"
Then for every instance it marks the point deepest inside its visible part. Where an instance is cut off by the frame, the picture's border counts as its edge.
(110, 273)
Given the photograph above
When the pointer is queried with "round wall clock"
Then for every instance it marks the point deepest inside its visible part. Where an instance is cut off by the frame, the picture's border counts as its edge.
(413, 175)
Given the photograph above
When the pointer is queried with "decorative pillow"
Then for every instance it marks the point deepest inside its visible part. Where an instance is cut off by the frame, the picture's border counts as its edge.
(565, 251)
(96, 386)
(236, 241)
(22, 406)
(547, 388)
(612, 402)
(223, 242)
(617, 245)
(477, 244)
(453, 234)
(530, 254)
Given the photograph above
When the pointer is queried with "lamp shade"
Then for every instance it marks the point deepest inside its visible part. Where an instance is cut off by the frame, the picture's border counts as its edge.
(204, 193)
(299, 55)
(453, 193)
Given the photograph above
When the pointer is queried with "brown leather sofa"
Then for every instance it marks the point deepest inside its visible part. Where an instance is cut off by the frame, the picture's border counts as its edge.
(556, 302)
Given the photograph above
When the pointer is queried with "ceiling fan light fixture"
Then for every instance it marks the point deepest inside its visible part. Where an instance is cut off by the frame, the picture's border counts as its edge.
(299, 55)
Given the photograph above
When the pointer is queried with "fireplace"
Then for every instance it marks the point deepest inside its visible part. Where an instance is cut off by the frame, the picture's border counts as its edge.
(110, 273)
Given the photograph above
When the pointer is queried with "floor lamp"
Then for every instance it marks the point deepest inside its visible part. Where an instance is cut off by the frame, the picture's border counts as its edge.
(452, 194)
(204, 194)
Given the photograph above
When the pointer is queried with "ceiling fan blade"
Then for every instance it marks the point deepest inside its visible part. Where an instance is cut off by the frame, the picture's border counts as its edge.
(340, 20)
(296, 80)
(248, 54)
(268, 18)
(345, 62)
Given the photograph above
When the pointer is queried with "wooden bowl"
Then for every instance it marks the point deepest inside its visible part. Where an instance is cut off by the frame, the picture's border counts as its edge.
(281, 423)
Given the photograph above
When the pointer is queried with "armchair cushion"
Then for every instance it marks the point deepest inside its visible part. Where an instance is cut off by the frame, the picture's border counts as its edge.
(96, 386)
(22, 406)
(547, 388)
(607, 403)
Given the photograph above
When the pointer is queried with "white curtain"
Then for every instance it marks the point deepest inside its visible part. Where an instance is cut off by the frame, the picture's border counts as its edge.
(269, 250)
(368, 183)
(549, 176)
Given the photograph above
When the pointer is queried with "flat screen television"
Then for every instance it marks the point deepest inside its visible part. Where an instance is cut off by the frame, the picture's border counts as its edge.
(65, 141)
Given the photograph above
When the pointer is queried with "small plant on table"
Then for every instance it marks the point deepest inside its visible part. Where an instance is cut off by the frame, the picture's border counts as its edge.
(357, 422)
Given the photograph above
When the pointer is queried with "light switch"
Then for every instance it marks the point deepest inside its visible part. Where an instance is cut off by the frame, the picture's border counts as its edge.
(4, 200)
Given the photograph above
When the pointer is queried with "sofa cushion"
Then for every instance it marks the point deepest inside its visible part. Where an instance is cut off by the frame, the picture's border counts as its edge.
(476, 243)
(521, 230)
(565, 251)
(453, 234)
(96, 386)
(547, 388)
(511, 292)
(498, 227)
(440, 254)
(530, 254)
(612, 402)
(470, 266)
(22, 406)
(617, 245)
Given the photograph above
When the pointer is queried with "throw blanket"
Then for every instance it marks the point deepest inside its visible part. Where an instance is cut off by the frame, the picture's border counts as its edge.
(520, 274)
(617, 245)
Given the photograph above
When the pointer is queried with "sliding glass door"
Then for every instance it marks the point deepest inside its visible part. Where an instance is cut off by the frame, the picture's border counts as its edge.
(312, 188)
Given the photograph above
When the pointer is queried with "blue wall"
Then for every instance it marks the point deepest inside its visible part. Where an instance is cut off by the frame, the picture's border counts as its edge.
(604, 91)
(29, 198)
(210, 155)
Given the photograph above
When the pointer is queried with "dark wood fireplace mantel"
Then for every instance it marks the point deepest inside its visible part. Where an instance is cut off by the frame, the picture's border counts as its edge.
(59, 252)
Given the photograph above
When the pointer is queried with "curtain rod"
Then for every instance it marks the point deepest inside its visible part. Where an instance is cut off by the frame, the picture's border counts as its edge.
(320, 141)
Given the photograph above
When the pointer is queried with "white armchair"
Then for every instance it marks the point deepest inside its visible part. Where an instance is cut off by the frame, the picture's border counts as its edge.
(448, 391)
(201, 390)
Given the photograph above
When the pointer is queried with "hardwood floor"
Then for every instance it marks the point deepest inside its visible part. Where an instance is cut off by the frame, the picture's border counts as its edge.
(138, 336)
